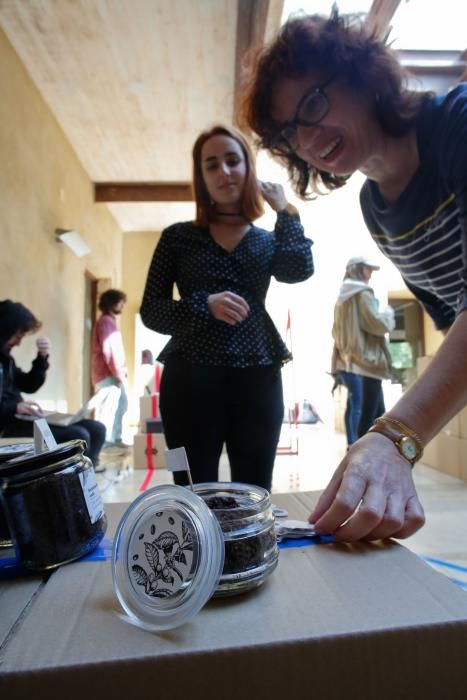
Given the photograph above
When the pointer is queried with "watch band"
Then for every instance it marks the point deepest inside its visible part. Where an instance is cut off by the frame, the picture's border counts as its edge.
(399, 433)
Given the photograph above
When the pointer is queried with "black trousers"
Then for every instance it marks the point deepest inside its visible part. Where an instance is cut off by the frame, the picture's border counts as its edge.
(372, 405)
(91, 431)
(204, 407)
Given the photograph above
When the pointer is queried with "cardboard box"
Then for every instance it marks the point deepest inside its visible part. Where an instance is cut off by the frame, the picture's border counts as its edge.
(453, 428)
(463, 459)
(148, 408)
(14, 599)
(430, 454)
(423, 362)
(462, 417)
(149, 451)
(444, 454)
(367, 621)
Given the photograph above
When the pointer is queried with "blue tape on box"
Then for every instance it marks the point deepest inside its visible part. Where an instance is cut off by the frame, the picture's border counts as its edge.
(305, 541)
(11, 567)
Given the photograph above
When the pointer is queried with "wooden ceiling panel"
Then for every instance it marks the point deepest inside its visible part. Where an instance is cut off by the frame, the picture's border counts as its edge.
(131, 82)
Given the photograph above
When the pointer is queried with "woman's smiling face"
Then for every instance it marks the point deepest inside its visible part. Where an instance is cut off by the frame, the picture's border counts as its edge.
(341, 142)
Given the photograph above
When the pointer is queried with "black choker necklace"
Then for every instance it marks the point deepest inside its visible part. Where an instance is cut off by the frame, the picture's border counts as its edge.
(227, 213)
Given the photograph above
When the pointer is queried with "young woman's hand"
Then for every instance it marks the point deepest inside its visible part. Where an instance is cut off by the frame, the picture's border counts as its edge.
(228, 307)
(274, 195)
(371, 495)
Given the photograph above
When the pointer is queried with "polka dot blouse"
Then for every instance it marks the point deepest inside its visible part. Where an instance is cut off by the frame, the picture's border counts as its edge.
(188, 256)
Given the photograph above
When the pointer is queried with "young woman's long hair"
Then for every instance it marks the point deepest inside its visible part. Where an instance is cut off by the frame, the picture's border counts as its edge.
(251, 205)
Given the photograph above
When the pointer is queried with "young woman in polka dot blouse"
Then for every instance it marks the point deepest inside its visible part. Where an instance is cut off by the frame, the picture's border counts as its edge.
(221, 381)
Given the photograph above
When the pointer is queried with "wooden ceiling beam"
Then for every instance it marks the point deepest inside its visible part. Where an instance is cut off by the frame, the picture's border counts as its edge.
(456, 70)
(380, 15)
(258, 21)
(143, 192)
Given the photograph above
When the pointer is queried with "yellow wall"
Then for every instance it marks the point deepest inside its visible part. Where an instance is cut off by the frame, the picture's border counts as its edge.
(433, 338)
(43, 187)
(138, 248)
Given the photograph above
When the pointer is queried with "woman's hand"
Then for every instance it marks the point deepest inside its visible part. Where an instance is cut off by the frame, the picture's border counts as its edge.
(273, 194)
(371, 495)
(228, 307)
(30, 408)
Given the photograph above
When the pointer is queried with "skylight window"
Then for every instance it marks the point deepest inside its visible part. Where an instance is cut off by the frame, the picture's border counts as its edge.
(417, 25)
(421, 25)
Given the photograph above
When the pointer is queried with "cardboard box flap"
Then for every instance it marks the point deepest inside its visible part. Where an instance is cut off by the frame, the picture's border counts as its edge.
(316, 592)
(14, 601)
(365, 620)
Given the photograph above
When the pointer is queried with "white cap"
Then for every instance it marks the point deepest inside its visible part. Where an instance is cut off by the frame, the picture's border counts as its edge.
(362, 260)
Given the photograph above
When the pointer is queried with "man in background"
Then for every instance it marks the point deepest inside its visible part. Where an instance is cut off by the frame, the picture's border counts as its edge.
(17, 321)
(108, 366)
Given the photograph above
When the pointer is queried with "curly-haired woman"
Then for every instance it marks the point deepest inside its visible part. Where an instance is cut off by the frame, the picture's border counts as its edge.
(328, 98)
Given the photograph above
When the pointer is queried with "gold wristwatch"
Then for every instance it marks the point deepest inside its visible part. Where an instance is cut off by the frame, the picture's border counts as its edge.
(406, 440)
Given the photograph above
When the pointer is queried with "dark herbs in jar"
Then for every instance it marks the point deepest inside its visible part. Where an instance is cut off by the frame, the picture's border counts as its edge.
(247, 551)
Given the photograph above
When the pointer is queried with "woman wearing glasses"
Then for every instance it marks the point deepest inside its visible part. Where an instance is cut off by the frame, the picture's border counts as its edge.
(221, 381)
(328, 99)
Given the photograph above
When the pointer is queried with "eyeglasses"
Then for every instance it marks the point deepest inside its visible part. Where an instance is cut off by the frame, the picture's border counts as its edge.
(311, 109)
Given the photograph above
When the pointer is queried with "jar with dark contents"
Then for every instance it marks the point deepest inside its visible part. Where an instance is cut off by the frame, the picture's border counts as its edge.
(175, 548)
(9, 452)
(244, 513)
(52, 505)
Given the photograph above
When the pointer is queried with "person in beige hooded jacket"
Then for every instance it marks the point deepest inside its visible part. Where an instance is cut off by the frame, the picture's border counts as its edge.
(360, 345)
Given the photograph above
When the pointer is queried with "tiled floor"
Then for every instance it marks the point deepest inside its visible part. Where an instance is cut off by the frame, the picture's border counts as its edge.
(443, 539)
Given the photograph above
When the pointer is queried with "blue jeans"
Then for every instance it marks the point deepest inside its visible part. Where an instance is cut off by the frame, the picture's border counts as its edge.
(372, 403)
(112, 403)
(353, 384)
(91, 431)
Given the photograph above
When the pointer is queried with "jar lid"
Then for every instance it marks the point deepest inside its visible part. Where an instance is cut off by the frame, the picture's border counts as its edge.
(168, 556)
(40, 462)
(15, 450)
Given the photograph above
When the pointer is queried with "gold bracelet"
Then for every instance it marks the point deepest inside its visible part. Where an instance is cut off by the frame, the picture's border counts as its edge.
(404, 428)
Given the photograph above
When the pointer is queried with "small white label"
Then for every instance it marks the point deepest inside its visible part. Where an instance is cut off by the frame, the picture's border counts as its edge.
(43, 438)
(92, 495)
(176, 460)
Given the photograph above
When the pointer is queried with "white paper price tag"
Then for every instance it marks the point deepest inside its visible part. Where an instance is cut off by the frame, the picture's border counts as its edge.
(43, 438)
(92, 495)
(177, 461)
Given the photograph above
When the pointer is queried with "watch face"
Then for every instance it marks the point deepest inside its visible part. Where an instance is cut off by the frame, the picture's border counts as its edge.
(408, 448)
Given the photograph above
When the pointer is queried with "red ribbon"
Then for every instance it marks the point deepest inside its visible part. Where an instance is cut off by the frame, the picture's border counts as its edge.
(154, 406)
(149, 462)
(157, 378)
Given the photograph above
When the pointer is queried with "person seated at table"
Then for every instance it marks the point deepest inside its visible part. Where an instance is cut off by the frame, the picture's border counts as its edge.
(15, 322)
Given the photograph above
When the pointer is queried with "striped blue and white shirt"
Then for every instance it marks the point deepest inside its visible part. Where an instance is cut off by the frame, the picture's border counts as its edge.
(424, 233)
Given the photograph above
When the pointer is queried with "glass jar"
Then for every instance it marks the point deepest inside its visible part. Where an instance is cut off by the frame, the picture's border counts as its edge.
(176, 548)
(53, 506)
(9, 452)
(244, 513)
